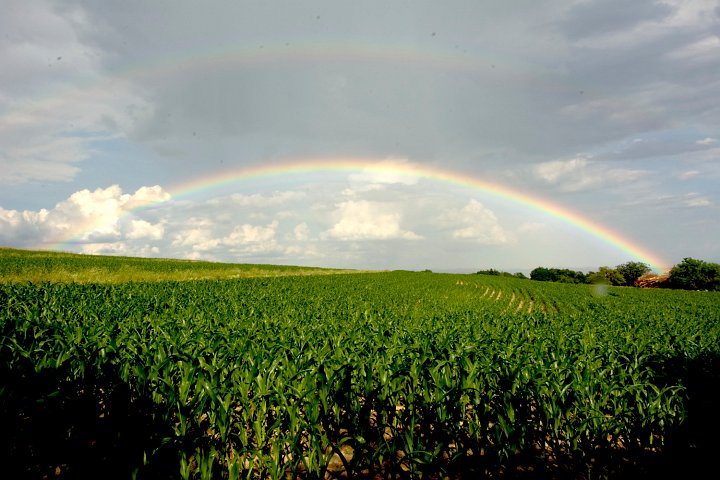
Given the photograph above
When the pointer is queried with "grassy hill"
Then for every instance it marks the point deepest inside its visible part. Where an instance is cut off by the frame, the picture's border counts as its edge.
(44, 266)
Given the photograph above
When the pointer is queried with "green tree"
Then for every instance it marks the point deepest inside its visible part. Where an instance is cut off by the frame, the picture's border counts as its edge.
(491, 271)
(631, 271)
(606, 275)
(542, 274)
(692, 274)
(563, 275)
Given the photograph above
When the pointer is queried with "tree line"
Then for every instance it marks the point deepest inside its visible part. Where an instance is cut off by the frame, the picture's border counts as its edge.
(690, 274)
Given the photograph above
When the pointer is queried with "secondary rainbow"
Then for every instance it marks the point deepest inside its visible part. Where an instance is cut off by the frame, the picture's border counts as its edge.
(137, 76)
(388, 166)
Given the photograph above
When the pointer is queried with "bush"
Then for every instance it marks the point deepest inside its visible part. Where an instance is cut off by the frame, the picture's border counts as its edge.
(692, 274)
(631, 271)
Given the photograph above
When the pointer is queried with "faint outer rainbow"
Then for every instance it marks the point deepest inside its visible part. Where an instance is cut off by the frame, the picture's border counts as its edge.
(388, 166)
(138, 76)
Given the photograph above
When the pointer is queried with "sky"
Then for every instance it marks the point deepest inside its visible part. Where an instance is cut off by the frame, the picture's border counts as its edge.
(452, 136)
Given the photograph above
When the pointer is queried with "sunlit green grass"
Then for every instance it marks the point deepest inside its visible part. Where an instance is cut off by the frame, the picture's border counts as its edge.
(17, 266)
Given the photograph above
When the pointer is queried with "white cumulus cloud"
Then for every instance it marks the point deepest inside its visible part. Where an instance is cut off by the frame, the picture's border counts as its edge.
(689, 174)
(578, 174)
(258, 200)
(694, 199)
(365, 220)
(199, 239)
(390, 171)
(246, 233)
(241, 240)
(103, 215)
(555, 170)
(476, 222)
(142, 229)
(302, 232)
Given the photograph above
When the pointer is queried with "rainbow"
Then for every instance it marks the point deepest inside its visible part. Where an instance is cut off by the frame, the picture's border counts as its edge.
(399, 168)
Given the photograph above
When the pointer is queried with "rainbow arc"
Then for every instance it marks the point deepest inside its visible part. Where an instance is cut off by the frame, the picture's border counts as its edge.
(395, 169)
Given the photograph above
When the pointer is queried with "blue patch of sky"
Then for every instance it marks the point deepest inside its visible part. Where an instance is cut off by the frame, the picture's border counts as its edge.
(118, 161)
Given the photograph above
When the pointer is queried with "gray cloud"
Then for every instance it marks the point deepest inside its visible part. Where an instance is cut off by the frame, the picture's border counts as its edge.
(640, 148)
(588, 19)
(147, 93)
(509, 83)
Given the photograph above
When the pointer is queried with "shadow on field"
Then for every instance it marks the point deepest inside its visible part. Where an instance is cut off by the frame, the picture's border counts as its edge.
(53, 428)
(692, 447)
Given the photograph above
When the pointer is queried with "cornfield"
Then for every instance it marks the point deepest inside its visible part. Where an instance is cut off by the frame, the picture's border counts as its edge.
(369, 375)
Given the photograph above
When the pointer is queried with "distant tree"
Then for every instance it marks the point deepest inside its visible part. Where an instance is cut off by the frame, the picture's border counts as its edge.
(565, 278)
(573, 276)
(490, 271)
(595, 277)
(520, 275)
(566, 275)
(692, 274)
(563, 275)
(606, 275)
(542, 274)
(498, 273)
(631, 271)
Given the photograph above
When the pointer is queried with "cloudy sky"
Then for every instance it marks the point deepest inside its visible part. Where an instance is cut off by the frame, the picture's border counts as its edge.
(382, 135)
